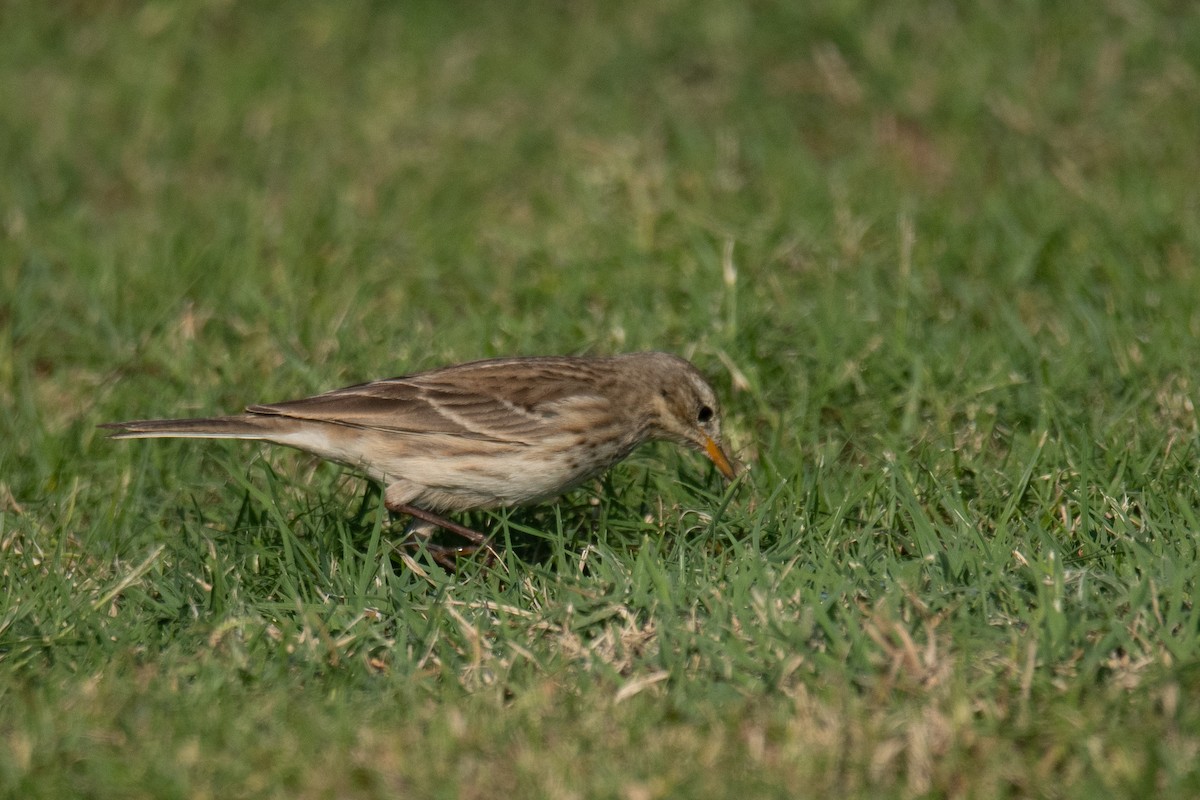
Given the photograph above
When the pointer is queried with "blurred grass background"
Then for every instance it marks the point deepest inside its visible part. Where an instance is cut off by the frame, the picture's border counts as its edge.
(940, 260)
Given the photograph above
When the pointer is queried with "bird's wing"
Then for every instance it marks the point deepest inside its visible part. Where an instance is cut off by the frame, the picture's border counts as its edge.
(469, 401)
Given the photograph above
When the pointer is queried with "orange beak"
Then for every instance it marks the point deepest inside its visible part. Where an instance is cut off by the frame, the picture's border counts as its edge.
(714, 452)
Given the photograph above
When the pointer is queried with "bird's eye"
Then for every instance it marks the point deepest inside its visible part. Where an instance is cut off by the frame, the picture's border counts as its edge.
(705, 415)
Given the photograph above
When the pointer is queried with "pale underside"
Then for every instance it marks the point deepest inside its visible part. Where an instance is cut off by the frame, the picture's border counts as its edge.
(444, 472)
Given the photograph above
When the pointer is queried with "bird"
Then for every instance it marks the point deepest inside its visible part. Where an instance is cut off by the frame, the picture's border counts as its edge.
(493, 433)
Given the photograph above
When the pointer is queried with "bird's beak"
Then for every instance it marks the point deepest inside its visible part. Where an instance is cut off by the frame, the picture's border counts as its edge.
(714, 452)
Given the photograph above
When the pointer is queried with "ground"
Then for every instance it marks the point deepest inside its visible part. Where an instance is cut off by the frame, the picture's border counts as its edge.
(939, 260)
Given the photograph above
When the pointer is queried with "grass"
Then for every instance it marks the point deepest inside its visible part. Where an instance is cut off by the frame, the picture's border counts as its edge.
(940, 261)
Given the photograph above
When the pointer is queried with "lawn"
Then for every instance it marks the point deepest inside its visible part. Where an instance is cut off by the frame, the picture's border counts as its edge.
(941, 261)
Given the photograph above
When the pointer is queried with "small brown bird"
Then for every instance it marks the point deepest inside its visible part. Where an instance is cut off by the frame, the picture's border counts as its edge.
(499, 432)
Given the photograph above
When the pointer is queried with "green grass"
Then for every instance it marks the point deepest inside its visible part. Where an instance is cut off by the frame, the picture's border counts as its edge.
(941, 262)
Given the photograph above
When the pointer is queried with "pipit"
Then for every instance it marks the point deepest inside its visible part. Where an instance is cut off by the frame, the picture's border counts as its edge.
(486, 434)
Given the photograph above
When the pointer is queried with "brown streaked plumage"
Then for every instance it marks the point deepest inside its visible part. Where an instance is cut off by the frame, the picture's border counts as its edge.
(500, 432)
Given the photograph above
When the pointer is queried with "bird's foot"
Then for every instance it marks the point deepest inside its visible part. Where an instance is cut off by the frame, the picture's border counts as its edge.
(448, 556)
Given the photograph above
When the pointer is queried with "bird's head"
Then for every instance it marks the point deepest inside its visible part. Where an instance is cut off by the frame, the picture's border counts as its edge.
(686, 410)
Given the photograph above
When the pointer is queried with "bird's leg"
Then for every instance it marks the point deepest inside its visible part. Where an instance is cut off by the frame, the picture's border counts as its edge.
(433, 519)
(422, 526)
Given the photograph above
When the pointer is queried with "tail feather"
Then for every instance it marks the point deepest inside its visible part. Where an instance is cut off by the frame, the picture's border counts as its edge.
(238, 427)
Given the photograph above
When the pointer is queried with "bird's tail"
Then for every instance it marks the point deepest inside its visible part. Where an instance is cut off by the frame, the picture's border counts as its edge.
(244, 426)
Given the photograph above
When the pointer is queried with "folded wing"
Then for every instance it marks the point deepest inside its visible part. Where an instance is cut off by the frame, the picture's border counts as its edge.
(470, 401)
